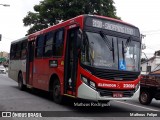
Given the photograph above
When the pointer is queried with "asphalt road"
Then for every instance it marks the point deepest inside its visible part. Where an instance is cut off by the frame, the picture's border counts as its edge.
(12, 99)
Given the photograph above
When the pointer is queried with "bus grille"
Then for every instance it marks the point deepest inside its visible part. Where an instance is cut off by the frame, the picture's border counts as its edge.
(115, 75)
(126, 93)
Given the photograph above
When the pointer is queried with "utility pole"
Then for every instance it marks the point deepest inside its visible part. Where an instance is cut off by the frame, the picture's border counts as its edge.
(147, 62)
(142, 36)
(0, 37)
(143, 45)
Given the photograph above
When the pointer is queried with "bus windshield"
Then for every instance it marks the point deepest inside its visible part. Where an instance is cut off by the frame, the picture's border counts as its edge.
(118, 53)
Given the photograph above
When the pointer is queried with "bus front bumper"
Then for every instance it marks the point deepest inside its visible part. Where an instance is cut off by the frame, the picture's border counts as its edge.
(86, 92)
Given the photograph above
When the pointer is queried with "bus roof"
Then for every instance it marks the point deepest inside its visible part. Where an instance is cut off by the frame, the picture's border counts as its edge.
(21, 39)
(73, 20)
(112, 19)
(57, 26)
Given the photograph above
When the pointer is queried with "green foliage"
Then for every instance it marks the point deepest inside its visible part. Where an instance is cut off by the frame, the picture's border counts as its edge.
(2, 59)
(50, 12)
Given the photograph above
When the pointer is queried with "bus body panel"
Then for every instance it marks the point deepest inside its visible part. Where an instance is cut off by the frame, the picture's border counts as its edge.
(86, 92)
(42, 72)
(16, 66)
(42, 69)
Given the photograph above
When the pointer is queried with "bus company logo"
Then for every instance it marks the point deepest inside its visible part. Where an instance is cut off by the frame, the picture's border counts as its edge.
(107, 85)
(118, 85)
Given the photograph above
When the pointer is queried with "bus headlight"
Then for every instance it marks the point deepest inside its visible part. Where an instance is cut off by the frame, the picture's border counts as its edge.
(137, 86)
(92, 84)
(85, 80)
(88, 82)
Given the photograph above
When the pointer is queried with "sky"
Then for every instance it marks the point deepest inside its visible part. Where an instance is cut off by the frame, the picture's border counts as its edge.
(145, 15)
(142, 13)
(11, 24)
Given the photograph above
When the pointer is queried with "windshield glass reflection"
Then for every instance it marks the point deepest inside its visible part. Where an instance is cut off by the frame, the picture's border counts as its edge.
(95, 52)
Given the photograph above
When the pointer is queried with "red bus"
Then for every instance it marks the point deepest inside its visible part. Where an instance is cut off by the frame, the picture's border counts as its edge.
(89, 57)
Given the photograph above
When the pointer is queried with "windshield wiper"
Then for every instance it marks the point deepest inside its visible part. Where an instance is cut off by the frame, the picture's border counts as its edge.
(106, 40)
(113, 49)
(123, 50)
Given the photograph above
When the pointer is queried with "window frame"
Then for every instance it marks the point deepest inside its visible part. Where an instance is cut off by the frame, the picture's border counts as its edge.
(149, 68)
(54, 43)
(24, 50)
(49, 44)
(41, 47)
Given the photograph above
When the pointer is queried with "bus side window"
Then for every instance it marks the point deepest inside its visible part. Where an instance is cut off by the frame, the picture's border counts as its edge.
(18, 51)
(48, 44)
(13, 51)
(39, 46)
(24, 51)
(58, 43)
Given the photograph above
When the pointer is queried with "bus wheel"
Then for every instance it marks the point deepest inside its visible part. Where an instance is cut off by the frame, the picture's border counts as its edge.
(145, 97)
(57, 97)
(21, 86)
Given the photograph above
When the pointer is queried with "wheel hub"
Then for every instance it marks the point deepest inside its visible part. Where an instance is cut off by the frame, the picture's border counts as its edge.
(57, 90)
(144, 97)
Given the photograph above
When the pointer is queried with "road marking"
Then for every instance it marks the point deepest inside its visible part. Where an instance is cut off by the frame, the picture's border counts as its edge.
(137, 106)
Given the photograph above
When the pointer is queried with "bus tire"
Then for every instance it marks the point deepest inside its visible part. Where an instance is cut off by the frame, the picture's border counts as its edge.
(21, 86)
(145, 97)
(57, 97)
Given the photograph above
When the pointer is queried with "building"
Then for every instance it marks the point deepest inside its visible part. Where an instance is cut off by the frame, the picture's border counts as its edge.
(4, 55)
(152, 65)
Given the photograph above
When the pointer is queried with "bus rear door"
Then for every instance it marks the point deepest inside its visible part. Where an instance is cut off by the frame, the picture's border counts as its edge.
(30, 60)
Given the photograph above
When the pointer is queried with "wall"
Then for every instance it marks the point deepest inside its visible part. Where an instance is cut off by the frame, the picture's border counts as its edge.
(154, 62)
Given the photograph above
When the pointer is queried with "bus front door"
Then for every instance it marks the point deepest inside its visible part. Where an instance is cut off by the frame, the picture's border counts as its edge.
(71, 62)
(30, 60)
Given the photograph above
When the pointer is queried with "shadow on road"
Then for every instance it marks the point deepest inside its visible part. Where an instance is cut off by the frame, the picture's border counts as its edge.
(78, 105)
(155, 104)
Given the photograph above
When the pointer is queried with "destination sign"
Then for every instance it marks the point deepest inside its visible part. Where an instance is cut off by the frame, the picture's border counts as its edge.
(111, 25)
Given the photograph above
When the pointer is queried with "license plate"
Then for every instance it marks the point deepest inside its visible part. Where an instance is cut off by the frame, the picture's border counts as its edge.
(117, 95)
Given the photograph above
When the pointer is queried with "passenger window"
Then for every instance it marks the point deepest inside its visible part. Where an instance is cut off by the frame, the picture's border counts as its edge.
(48, 44)
(58, 43)
(13, 52)
(39, 46)
(24, 51)
(18, 51)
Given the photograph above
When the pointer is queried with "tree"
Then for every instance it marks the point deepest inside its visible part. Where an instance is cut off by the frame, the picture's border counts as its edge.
(50, 12)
